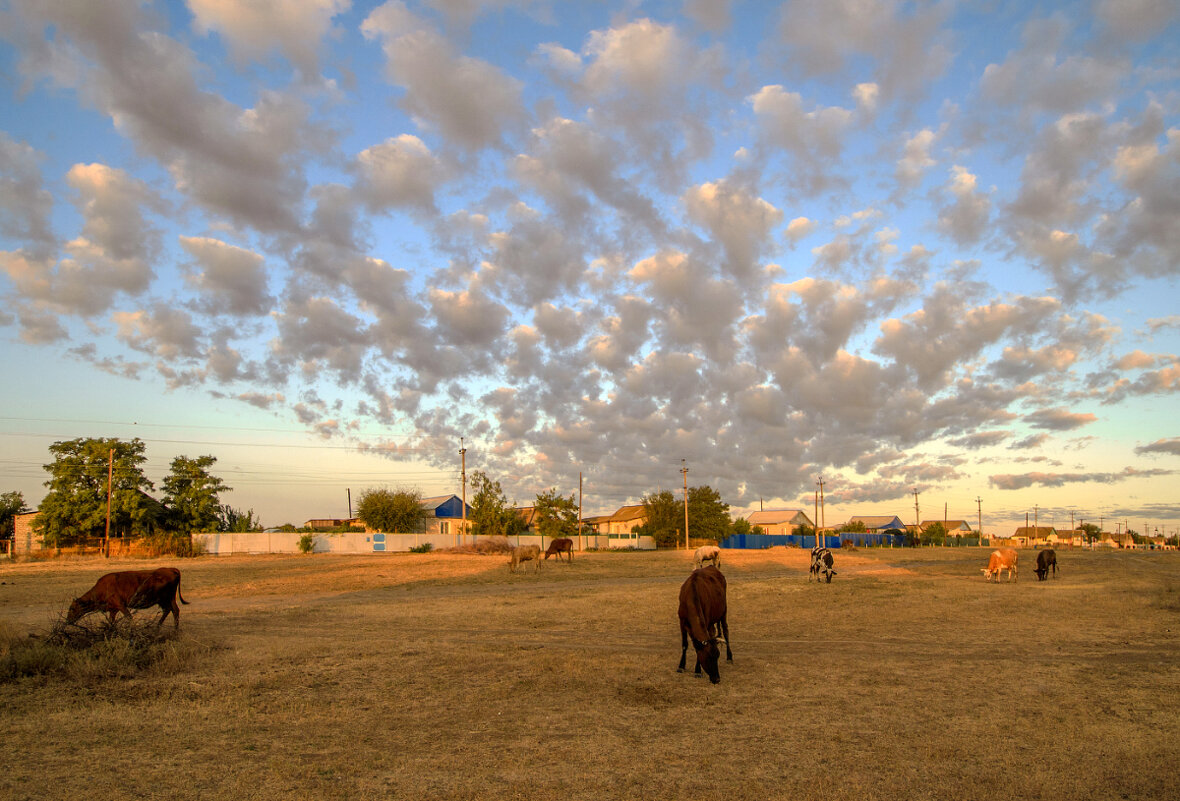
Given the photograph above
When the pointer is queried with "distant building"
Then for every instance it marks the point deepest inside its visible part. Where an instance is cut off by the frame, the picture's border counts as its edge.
(878, 524)
(953, 528)
(621, 522)
(779, 521)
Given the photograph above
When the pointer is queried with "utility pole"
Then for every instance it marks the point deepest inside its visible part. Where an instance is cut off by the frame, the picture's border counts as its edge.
(1036, 523)
(917, 516)
(349, 491)
(684, 472)
(462, 533)
(106, 544)
(823, 517)
(581, 547)
(979, 517)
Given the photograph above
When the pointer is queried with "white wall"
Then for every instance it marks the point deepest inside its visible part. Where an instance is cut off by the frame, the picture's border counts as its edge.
(224, 544)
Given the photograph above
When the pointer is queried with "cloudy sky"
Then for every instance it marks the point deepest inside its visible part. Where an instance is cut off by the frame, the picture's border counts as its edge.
(906, 246)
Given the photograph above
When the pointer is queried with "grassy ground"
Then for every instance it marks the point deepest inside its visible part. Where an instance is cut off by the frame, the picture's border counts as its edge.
(444, 676)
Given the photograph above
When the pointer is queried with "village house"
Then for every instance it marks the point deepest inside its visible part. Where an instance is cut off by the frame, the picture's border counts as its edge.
(779, 521)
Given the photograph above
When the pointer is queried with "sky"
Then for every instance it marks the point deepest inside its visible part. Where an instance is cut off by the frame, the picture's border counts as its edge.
(926, 251)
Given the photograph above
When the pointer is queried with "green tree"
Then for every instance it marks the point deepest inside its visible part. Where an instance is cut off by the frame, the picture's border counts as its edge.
(75, 506)
(853, 527)
(664, 519)
(491, 516)
(804, 530)
(708, 515)
(394, 511)
(11, 505)
(1091, 531)
(191, 494)
(230, 519)
(556, 516)
(741, 526)
(934, 534)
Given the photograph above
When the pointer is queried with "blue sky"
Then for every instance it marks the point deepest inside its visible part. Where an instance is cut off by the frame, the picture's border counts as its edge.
(904, 246)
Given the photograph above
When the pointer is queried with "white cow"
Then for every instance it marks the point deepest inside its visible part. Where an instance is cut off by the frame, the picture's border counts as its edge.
(706, 553)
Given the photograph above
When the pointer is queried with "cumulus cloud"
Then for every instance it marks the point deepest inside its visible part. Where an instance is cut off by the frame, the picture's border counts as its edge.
(469, 101)
(252, 30)
(234, 279)
(25, 203)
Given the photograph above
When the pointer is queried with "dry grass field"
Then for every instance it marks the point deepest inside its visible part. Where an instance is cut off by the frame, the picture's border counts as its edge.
(440, 676)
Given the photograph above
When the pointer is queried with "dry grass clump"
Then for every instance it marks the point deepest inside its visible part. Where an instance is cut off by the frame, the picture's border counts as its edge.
(94, 648)
(485, 547)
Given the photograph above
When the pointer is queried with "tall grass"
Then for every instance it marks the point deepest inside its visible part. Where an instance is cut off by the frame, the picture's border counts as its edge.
(95, 649)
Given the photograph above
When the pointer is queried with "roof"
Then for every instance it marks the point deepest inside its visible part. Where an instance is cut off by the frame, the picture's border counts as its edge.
(624, 513)
(876, 521)
(1034, 531)
(770, 517)
(949, 525)
(527, 513)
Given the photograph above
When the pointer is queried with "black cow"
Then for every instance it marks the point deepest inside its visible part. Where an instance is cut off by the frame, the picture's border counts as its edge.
(702, 618)
(1045, 559)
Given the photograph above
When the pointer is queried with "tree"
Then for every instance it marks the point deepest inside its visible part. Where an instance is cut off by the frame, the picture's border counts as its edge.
(853, 527)
(76, 505)
(11, 505)
(708, 515)
(556, 516)
(934, 534)
(664, 521)
(1091, 531)
(230, 519)
(491, 516)
(740, 526)
(804, 530)
(191, 495)
(394, 511)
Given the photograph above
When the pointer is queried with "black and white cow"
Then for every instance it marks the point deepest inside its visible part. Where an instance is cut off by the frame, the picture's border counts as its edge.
(822, 563)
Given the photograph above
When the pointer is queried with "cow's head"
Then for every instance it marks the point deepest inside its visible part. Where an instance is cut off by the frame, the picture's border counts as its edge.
(708, 654)
(77, 609)
(987, 573)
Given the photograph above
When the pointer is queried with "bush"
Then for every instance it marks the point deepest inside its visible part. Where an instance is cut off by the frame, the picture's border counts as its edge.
(425, 547)
(307, 543)
(95, 649)
(171, 543)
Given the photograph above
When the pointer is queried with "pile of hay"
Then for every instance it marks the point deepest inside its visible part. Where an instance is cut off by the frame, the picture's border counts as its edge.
(488, 546)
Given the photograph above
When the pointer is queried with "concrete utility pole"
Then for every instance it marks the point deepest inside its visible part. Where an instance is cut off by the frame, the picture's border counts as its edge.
(349, 491)
(684, 472)
(462, 533)
(979, 517)
(917, 516)
(823, 517)
(581, 546)
(106, 545)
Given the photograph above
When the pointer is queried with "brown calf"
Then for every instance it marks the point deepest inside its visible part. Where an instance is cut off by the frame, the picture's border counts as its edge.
(131, 589)
(702, 618)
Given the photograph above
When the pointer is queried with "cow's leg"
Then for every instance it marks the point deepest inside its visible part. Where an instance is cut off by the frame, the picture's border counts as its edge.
(725, 632)
(683, 647)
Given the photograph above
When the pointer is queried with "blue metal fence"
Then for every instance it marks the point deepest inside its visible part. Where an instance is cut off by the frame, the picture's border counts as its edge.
(758, 541)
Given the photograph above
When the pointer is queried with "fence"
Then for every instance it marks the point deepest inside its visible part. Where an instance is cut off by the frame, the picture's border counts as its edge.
(262, 542)
(758, 541)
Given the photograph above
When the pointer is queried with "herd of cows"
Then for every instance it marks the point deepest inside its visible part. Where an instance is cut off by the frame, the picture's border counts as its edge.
(702, 608)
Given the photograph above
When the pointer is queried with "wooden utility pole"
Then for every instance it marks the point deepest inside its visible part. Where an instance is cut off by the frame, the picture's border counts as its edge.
(106, 545)
(581, 546)
(684, 472)
(979, 517)
(349, 491)
(462, 533)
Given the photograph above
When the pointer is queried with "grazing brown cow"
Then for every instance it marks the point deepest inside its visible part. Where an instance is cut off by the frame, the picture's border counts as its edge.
(132, 589)
(559, 546)
(523, 553)
(1045, 559)
(1001, 559)
(702, 618)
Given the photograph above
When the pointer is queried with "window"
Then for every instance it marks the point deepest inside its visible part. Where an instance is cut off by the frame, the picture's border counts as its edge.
(444, 527)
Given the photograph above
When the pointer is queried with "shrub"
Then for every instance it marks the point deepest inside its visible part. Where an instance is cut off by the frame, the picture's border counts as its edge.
(425, 547)
(307, 543)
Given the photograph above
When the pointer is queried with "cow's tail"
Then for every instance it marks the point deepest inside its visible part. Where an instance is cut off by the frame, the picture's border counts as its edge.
(178, 593)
